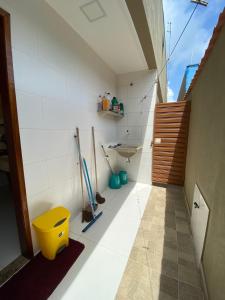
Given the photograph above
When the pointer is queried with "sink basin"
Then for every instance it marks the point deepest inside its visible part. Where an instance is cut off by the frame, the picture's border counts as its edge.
(127, 150)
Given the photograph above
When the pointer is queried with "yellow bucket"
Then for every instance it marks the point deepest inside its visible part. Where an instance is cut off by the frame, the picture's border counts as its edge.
(52, 229)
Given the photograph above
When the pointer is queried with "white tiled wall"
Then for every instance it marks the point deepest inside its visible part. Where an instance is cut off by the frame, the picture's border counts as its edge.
(137, 125)
(58, 79)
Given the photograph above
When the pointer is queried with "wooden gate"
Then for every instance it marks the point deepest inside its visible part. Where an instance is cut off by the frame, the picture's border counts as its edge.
(170, 142)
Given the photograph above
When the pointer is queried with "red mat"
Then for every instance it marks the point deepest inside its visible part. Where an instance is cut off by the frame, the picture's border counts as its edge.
(39, 278)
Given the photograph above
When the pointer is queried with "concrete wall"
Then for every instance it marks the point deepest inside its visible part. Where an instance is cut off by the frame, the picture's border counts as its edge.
(182, 91)
(155, 17)
(206, 162)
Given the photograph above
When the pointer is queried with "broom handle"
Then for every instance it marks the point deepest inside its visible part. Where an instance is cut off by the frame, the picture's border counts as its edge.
(96, 175)
(81, 173)
(107, 159)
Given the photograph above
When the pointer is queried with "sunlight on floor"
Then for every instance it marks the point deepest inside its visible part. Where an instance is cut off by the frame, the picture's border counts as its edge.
(162, 264)
(98, 271)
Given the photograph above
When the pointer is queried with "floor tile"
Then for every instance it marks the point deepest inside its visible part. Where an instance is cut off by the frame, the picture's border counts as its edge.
(188, 292)
(136, 282)
(186, 256)
(170, 254)
(164, 235)
(187, 263)
(98, 271)
(169, 268)
(169, 286)
(189, 275)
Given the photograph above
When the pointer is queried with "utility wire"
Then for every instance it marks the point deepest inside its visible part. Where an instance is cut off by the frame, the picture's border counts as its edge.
(170, 32)
(171, 53)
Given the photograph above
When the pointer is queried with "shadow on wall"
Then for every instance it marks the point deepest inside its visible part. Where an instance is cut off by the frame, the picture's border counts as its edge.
(136, 128)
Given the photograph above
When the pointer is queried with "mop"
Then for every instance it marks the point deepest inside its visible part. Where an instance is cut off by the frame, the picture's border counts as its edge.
(98, 197)
(91, 198)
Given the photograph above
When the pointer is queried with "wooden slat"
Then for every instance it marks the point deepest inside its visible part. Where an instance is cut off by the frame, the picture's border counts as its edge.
(170, 135)
(170, 167)
(167, 181)
(171, 145)
(165, 176)
(170, 150)
(182, 125)
(174, 104)
(171, 125)
(180, 119)
(171, 115)
(174, 140)
(168, 172)
(168, 164)
(172, 109)
(170, 130)
(168, 159)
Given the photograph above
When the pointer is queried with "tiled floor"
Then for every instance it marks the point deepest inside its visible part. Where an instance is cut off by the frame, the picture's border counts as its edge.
(162, 265)
(98, 271)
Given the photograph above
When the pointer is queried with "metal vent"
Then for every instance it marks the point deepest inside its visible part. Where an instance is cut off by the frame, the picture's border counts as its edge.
(93, 11)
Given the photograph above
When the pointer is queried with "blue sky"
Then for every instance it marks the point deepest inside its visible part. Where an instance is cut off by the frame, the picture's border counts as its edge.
(194, 41)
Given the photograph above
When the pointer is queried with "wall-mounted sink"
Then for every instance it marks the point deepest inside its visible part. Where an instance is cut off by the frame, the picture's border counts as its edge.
(127, 150)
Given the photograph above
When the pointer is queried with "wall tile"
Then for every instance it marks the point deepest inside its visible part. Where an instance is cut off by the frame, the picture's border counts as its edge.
(36, 178)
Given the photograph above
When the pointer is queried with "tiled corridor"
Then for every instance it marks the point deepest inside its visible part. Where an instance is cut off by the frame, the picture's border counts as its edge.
(162, 265)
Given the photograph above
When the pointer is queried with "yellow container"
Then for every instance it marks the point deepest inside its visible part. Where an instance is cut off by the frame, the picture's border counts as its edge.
(105, 104)
(52, 230)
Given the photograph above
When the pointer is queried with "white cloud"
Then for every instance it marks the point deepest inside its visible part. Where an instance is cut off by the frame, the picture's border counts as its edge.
(170, 93)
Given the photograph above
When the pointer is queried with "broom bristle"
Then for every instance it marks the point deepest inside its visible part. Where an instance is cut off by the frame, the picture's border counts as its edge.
(99, 198)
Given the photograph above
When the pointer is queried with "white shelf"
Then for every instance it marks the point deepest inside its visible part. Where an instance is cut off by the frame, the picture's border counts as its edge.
(110, 113)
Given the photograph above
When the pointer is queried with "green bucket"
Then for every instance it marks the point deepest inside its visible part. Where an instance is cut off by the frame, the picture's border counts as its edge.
(114, 182)
(123, 177)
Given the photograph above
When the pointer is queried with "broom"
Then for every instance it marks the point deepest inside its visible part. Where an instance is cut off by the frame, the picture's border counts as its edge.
(86, 211)
(98, 197)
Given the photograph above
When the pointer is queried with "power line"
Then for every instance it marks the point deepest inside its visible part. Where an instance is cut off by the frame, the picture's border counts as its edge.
(169, 30)
(174, 48)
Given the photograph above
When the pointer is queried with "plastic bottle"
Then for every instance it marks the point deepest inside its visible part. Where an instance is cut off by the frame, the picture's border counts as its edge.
(121, 108)
(99, 103)
(114, 104)
(106, 102)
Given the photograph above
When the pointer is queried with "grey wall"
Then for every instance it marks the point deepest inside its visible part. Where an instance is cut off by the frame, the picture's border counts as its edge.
(155, 17)
(206, 162)
(148, 20)
(182, 90)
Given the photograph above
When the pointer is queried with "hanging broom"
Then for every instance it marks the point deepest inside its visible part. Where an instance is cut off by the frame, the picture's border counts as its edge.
(98, 197)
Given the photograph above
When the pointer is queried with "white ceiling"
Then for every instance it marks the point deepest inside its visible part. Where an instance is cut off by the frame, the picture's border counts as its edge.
(107, 27)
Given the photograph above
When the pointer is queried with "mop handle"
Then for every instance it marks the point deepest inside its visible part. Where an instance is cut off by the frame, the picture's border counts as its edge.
(89, 182)
(88, 190)
(96, 175)
(77, 138)
(107, 158)
(85, 176)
